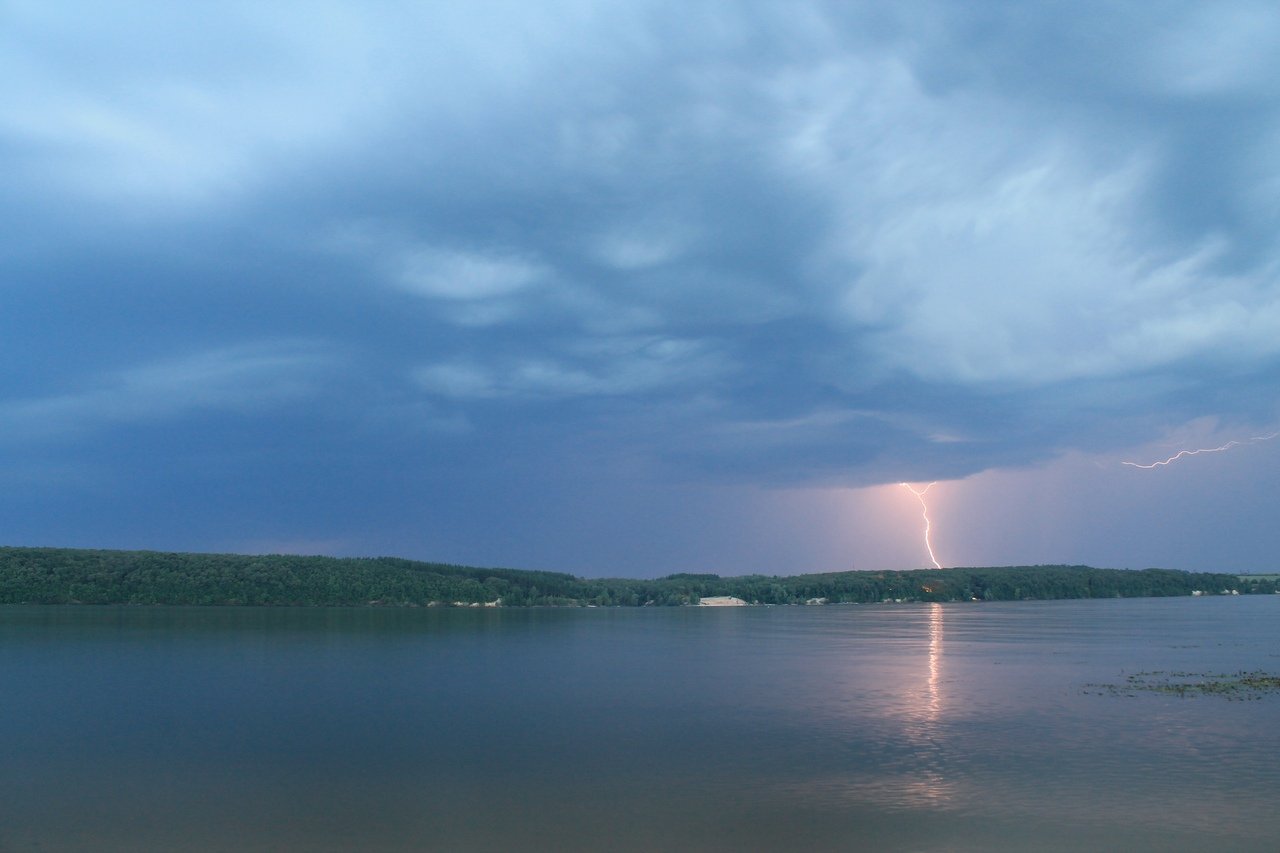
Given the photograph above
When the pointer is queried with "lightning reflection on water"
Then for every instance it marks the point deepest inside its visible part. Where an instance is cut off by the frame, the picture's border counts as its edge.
(935, 661)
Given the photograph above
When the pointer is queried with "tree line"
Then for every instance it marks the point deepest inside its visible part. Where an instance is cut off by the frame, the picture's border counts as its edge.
(82, 576)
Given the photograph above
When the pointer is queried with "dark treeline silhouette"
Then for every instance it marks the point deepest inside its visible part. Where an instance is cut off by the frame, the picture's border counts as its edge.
(77, 576)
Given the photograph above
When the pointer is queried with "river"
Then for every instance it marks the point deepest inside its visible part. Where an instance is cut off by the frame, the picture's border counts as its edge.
(911, 727)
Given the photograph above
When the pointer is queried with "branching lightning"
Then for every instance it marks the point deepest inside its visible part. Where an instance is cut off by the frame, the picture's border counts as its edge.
(924, 511)
(1184, 453)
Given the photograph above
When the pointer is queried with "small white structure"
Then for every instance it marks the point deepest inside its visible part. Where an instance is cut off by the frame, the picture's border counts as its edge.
(721, 601)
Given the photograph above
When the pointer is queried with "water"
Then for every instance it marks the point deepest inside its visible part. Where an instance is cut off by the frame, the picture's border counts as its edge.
(904, 727)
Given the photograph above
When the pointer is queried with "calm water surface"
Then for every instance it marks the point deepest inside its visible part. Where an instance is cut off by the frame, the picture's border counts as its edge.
(905, 727)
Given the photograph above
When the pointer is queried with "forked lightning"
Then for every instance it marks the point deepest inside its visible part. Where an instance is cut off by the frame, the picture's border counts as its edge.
(1184, 453)
(924, 510)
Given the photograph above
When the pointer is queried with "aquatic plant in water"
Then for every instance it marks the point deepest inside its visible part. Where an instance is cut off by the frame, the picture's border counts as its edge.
(1238, 686)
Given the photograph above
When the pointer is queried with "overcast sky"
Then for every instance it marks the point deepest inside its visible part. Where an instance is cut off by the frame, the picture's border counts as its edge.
(626, 289)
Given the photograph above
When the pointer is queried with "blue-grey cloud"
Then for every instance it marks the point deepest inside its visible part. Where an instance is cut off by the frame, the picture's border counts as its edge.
(242, 379)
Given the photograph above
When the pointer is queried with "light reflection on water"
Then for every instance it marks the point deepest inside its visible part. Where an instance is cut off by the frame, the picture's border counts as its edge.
(935, 661)
(915, 765)
(911, 727)
(1020, 738)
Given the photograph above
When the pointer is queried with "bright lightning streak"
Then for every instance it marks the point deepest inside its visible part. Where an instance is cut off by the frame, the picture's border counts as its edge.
(1182, 453)
(924, 511)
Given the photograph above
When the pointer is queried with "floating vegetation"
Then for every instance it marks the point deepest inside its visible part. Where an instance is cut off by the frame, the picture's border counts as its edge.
(1238, 686)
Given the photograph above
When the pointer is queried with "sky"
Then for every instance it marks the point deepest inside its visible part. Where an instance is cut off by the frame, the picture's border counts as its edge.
(631, 289)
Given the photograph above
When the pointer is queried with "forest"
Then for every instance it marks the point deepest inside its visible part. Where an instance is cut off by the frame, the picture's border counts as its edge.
(82, 576)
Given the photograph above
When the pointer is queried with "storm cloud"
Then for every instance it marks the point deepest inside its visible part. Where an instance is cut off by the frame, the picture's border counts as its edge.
(445, 280)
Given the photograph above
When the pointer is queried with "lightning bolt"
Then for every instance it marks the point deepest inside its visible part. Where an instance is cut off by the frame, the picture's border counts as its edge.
(1183, 453)
(924, 511)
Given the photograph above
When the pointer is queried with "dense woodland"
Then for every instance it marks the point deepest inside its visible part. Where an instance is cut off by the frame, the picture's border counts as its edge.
(73, 576)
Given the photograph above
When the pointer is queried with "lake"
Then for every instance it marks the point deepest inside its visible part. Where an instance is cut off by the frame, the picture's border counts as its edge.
(910, 727)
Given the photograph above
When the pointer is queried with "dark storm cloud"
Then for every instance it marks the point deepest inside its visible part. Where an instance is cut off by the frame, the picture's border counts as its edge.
(773, 244)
